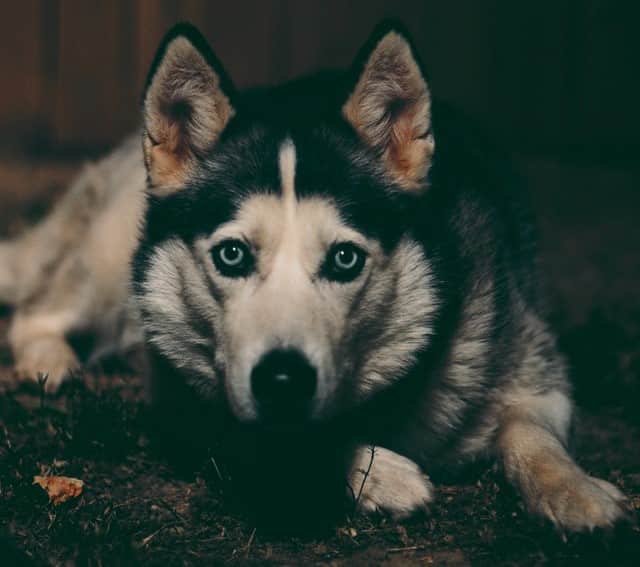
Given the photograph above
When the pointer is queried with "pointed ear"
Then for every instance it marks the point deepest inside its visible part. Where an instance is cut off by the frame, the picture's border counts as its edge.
(390, 108)
(187, 104)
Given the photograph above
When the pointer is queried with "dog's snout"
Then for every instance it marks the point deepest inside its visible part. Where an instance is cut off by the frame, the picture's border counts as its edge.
(283, 383)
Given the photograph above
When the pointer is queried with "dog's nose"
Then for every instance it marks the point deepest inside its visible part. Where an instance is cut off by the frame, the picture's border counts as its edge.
(283, 383)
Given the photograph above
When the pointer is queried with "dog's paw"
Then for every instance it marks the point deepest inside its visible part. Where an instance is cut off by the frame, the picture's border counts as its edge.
(579, 502)
(49, 356)
(388, 483)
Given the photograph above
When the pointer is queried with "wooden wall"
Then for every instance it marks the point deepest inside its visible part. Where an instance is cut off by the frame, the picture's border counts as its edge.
(545, 76)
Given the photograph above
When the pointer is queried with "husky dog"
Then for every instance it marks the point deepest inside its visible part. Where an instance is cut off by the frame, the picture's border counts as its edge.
(338, 252)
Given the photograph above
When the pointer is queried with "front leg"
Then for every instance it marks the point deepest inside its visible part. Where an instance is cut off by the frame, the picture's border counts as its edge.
(551, 484)
(40, 348)
(383, 481)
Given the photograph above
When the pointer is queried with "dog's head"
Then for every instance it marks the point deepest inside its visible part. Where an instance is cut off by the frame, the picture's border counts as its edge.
(278, 264)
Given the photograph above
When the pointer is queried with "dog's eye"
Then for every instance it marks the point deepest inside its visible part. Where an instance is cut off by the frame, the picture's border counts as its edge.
(344, 262)
(232, 258)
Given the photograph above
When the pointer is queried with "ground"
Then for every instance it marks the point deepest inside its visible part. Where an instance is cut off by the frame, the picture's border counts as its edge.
(137, 509)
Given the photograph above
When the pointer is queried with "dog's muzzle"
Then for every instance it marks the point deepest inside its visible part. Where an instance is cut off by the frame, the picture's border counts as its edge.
(283, 385)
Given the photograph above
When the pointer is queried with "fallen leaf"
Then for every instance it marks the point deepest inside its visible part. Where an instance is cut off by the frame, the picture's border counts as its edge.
(348, 531)
(59, 488)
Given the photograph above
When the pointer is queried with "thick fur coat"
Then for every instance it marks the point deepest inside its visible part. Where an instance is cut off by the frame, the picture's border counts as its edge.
(317, 271)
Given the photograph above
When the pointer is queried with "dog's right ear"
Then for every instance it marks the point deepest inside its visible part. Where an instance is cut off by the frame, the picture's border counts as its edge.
(187, 104)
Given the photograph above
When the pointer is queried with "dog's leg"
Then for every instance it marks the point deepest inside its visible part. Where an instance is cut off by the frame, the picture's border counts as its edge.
(28, 262)
(8, 281)
(531, 445)
(383, 481)
(39, 347)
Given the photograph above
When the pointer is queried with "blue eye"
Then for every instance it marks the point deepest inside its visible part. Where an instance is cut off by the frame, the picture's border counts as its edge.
(344, 262)
(232, 255)
(232, 258)
(345, 258)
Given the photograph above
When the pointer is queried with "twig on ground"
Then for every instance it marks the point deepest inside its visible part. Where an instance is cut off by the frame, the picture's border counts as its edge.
(402, 549)
(248, 546)
(7, 441)
(365, 476)
(130, 501)
(42, 381)
(147, 540)
(353, 494)
(218, 473)
(168, 508)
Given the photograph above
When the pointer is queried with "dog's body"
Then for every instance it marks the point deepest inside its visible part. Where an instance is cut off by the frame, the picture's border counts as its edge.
(316, 255)
(64, 280)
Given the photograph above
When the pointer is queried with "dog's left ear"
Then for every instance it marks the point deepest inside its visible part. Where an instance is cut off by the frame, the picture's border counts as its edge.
(390, 108)
(186, 106)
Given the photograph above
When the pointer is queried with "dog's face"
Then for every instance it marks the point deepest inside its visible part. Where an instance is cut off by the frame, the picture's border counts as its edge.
(278, 264)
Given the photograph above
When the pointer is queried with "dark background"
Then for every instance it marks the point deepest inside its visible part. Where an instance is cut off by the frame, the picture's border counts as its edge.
(556, 83)
(548, 77)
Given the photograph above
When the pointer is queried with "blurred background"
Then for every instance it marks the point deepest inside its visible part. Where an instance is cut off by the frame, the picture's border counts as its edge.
(546, 76)
(556, 83)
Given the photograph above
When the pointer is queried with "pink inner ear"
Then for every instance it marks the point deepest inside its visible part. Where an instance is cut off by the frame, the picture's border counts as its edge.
(408, 155)
(167, 143)
(167, 157)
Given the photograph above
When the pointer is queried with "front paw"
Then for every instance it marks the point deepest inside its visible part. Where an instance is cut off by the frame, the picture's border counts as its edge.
(51, 357)
(383, 481)
(578, 502)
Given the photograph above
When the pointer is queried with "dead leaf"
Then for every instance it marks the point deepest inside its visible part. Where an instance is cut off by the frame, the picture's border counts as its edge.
(59, 488)
(348, 531)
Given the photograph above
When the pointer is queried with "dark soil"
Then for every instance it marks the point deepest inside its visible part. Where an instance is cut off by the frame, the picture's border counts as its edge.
(138, 509)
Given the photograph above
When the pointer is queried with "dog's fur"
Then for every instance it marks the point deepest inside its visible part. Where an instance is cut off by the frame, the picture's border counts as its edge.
(437, 353)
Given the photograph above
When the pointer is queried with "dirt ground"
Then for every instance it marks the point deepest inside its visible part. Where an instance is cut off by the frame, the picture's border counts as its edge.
(137, 509)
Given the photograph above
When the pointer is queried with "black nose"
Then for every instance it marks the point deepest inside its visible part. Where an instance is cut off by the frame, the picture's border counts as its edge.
(283, 383)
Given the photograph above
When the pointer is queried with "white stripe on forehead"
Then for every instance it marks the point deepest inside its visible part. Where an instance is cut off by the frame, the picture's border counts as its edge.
(287, 163)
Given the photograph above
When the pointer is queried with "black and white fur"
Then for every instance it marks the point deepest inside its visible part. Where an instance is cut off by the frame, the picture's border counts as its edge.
(436, 353)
